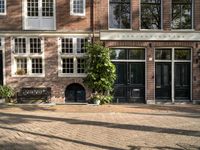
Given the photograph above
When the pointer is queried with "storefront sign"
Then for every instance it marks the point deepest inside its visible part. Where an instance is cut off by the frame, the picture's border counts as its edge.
(150, 36)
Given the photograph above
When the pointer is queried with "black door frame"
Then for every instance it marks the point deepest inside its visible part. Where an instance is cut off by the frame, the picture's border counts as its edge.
(1, 68)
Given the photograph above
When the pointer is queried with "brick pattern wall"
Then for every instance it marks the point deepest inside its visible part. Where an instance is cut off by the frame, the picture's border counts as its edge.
(51, 78)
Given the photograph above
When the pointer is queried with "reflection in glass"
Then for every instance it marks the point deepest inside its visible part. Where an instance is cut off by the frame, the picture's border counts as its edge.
(118, 54)
(163, 54)
(182, 54)
(137, 54)
(151, 14)
(182, 14)
(119, 14)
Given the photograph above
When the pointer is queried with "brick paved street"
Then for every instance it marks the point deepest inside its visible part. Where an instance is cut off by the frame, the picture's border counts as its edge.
(110, 127)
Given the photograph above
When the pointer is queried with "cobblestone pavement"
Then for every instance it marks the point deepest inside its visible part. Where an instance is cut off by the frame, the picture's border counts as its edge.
(109, 127)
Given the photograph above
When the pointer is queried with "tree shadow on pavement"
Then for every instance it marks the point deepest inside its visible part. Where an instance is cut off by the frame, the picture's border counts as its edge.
(143, 128)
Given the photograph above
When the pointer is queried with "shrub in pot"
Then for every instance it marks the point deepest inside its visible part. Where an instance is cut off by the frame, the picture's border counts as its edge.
(6, 92)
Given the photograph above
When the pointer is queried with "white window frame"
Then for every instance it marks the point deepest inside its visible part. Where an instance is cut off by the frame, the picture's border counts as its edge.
(72, 13)
(2, 48)
(5, 6)
(73, 55)
(40, 17)
(27, 55)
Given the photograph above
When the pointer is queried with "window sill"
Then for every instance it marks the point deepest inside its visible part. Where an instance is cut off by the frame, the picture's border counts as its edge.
(29, 76)
(72, 75)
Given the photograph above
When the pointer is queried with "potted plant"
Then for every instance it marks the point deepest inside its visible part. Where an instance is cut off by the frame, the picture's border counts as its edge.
(101, 72)
(20, 72)
(7, 93)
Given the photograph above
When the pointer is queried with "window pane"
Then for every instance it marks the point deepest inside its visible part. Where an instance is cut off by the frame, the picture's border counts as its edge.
(2, 6)
(20, 45)
(21, 66)
(182, 14)
(81, 45)
(80, 65)
(138, 54)
(35, 45)
(163, 54)
(119, 14)
(32, 8)
(67, 65)
(151, 14)
(118, 54)
(67, 45)
(78, 6)
(47, 8)
(182, 54)
(37, 65)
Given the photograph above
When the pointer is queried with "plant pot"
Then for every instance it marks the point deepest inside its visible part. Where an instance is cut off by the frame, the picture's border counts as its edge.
(97, 101)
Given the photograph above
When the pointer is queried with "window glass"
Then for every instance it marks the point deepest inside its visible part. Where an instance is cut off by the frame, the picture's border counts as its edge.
(21, 66)
(67, 45)
(182, 54)
(35, 45)
(2, 6)
(137, 54)
(163, 54)
(32, 8)
(67, 65)
(80, 65)
(118, 54)
(47, 8)
(81, 42)
(78, 7)
(36, 65)
(182, 14)
(20, 45)
(120, 14)
(151, 14)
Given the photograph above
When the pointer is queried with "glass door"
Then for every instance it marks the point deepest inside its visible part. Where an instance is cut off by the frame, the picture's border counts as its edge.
(163, 81)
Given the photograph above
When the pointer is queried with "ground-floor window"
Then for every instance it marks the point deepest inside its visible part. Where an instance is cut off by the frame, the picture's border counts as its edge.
(71, 56)
(173, 74)
(130, 68)
(27, 56)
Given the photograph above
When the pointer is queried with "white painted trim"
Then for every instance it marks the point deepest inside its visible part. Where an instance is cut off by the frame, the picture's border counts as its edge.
(73, 55)
(2, 48)
(131, 19)
(29, 56)
(40, 17)
(149, 36)
(162, 16)
(5, 9)
(72, 13)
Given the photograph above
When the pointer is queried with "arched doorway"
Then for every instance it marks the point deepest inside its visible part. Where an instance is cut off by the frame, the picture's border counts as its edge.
(75, 93)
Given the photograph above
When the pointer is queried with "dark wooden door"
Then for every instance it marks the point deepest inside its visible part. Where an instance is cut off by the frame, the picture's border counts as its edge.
(163, 81)
(1, 68)
(182, 81)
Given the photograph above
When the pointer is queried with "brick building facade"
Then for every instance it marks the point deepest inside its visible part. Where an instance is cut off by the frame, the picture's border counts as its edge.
(155, 46)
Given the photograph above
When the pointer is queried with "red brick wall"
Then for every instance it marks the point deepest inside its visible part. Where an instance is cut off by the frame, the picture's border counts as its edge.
(72, 23)
(13, 18)
(51, 79)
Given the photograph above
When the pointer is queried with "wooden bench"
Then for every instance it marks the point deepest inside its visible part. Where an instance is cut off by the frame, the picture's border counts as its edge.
(25, 95)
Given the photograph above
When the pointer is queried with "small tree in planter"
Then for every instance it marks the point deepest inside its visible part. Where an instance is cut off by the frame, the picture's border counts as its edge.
(101, 73)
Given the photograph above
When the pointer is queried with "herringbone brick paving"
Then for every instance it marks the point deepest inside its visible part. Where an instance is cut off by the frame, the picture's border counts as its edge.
(110, 127)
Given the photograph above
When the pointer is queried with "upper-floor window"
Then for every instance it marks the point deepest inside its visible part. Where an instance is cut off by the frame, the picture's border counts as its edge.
(119, 14)
(2, 7)
(71, 58)
(182, 14)
(151, 14)
(39, 14)
(77, 7)
(27, 57)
